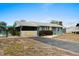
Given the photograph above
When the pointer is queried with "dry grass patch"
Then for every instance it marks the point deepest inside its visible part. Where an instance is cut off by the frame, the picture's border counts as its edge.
(69, 36)
(27, 46)
(15, 49)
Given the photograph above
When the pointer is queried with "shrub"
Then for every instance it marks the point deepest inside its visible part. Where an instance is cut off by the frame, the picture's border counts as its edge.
(14, 32)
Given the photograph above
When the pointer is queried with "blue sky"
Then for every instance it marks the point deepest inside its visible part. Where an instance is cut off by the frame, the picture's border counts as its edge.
(40, 12)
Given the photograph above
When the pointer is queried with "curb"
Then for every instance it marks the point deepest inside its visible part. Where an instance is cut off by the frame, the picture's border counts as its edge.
(74, 53)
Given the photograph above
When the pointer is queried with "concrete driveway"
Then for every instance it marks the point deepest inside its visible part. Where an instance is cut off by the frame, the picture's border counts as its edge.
(72, 46)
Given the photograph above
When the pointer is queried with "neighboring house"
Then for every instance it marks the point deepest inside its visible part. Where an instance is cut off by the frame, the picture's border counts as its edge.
(36, 28)
(72, 29)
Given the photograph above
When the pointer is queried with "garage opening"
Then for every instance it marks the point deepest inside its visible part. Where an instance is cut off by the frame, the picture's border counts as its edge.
(45, 33)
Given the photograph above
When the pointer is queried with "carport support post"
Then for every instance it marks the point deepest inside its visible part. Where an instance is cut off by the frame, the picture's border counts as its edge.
(20, 30)
(38, 31)
(6, 32)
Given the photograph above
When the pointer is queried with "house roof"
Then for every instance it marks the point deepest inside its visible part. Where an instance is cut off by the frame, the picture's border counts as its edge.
(35, 24)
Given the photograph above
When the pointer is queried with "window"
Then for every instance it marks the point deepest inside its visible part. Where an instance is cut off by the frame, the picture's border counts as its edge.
(29, 28)
(58, 29)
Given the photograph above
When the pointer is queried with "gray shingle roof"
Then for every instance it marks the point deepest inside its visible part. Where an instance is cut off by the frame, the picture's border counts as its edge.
(36, 24)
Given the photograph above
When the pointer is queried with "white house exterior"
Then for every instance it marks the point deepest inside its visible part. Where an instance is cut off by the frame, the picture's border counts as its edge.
(35, 28)
(72, 30)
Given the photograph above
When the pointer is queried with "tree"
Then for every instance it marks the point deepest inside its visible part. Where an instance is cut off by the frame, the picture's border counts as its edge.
(3, 27)
(77, 24)
(57, 22)
(3, 23)
(13, 30)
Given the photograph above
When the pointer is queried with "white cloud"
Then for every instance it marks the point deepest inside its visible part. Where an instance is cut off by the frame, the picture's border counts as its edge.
(46, 6)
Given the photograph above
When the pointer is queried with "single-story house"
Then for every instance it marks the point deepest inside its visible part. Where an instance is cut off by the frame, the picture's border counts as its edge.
(27, 28)
(72, 30)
